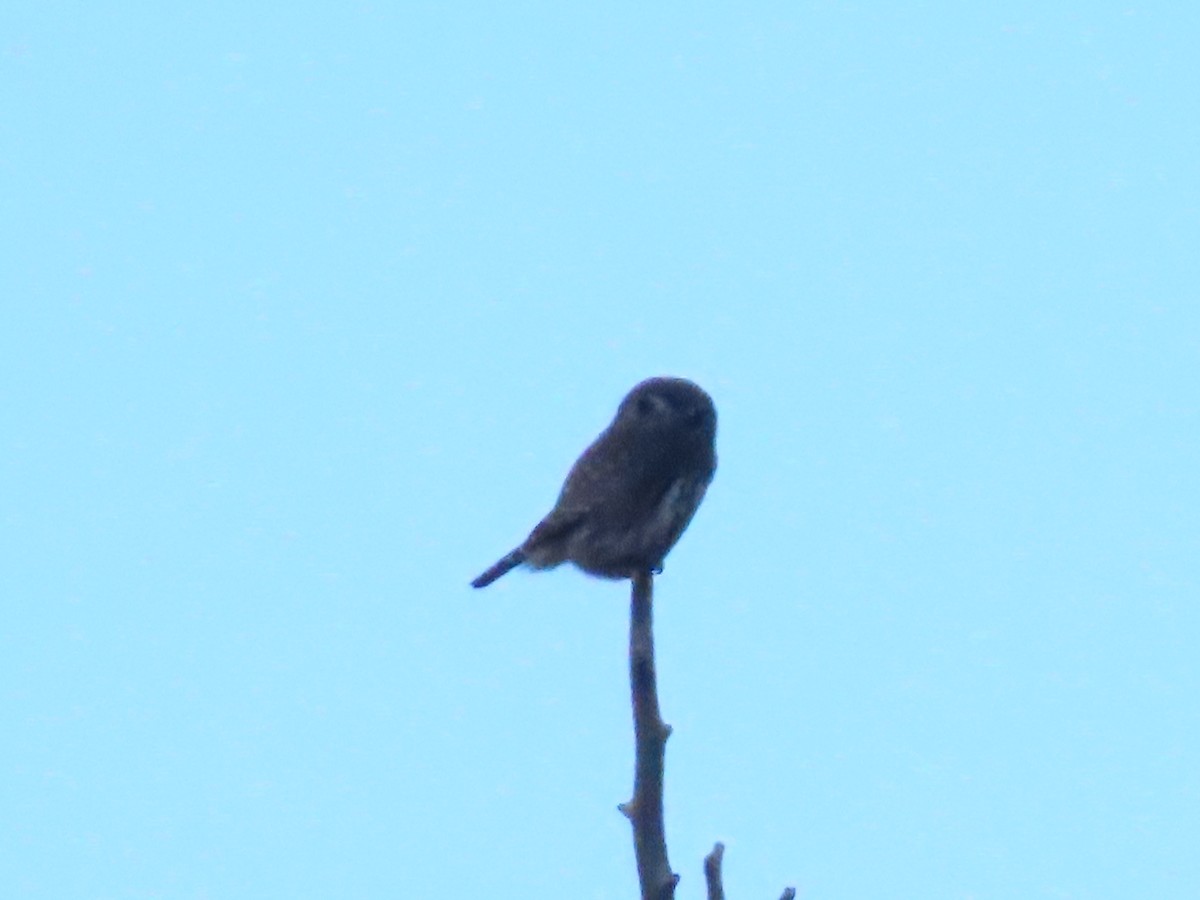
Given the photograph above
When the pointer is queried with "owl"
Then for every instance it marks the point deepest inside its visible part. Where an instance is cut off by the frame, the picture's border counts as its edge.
(631, 494)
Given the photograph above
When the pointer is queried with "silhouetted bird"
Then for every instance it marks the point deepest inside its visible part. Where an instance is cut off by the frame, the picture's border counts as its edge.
(632, 493)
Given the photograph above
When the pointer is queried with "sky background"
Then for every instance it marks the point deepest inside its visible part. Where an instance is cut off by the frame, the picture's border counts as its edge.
(306, 314)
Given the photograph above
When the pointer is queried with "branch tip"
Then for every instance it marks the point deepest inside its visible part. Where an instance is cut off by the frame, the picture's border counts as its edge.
(645, 809)
(712, 872)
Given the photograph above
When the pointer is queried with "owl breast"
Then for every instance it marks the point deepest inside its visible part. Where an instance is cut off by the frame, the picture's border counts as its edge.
(671, 516)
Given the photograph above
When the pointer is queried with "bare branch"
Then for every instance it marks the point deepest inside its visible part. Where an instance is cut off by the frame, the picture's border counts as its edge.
(712, 875)
(712, 872)
(645, 810)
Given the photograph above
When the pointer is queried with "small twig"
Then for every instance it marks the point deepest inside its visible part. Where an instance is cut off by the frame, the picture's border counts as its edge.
(712, 872)
(712, 875)
(645, 810)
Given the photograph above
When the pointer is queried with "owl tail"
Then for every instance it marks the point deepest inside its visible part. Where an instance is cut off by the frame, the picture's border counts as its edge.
(509, 562)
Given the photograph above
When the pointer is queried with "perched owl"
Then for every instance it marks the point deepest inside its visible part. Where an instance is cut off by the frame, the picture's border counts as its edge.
(632, 493)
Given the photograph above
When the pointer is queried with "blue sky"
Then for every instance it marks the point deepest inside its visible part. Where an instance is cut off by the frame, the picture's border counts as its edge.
(306, 316)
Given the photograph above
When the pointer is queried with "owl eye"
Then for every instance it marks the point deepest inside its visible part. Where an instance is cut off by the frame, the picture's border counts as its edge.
(695, 418)
(645, 406)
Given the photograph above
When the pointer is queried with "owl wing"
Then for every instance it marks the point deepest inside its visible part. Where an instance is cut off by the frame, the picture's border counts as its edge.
(559, 524)
(585, 489)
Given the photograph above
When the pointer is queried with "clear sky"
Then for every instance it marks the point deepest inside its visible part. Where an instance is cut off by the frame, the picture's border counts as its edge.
(306, 312)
